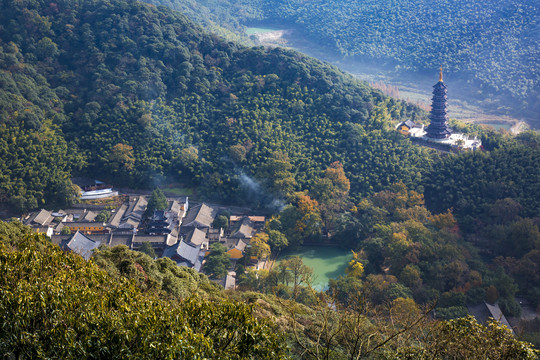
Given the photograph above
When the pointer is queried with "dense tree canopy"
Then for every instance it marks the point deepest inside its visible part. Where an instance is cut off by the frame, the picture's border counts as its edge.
(141, 94)
(492, 48)
(68, 308)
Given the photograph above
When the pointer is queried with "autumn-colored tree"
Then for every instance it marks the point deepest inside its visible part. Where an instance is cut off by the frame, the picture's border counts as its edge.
(310, 223)
(394, 198)
(443, 221)
(492, 294)
(355, 268)
(238, 153)
(189, 155)
(258, 246)
(122, 159)
(410, 276)
(332, 191)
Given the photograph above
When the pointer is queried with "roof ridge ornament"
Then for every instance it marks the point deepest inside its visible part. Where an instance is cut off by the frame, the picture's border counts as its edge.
(440, 75)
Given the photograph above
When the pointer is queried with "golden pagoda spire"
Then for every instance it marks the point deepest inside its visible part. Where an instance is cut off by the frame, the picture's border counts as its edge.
(440, 75)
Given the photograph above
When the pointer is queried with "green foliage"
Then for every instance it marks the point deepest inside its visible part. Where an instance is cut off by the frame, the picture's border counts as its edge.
(221, 222)
(451, 298)
(157, 201)
(470, 182)
(299, 273)
(66, 230)
(488, 48)
(217, 262)
(149, 95)
(452, 312)
(55, 304)
(464, 338)
(68, 308)
(161, 276)
(510, 306)
(147, 249)
(103, 216)
(346, 289)
(277, 240)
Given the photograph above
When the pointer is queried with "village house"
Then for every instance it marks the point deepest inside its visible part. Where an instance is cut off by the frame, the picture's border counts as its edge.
(483, 311)
(190, 251)
(133, 241)
(201, 216)
(41, 221)
(409, 128)
(122, 228)
(181, 233)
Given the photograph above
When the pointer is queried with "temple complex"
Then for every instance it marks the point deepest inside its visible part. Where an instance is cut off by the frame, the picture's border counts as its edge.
(438, 134)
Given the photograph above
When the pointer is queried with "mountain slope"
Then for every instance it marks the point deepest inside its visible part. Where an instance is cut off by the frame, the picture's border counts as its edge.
(491, 48)
(144, 94)
(57, 305)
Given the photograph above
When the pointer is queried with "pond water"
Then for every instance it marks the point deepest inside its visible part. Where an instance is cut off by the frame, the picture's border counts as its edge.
(327, 262)
(498, 126)
(258, 30)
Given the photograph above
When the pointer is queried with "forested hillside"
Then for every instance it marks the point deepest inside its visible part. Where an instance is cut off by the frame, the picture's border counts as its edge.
(135, 94)
(471, 182)
(57, 305)
(124, 305)
(139, 95)
(493, 47)
(217, 16)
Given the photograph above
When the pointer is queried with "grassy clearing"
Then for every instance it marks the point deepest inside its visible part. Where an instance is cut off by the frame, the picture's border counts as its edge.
(179, 190)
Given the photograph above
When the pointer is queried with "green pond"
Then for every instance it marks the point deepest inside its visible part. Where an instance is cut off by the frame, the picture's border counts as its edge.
(256, 30)
(327, 262)
(498, 126)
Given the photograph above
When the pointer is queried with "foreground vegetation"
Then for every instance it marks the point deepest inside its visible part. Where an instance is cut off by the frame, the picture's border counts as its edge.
(54, 304)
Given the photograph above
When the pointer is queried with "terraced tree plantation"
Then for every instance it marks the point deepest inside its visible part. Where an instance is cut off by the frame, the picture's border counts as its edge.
(327, 262)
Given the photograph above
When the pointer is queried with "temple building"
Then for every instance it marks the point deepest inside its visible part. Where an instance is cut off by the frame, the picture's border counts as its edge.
(438, 134)
(438, 128)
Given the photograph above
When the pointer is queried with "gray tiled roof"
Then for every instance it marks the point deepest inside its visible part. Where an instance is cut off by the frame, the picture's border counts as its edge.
(200, 216)
(90, 216)
(409, 123)
(114, 221)
(120, 239)
(243, 229)
(136, 209)
(483, 311)
(129, 224)
(43, 218)
(175, 207)
(240, 245)
(150, 238)
(196, 237)
(82, 245)
(188, 251)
